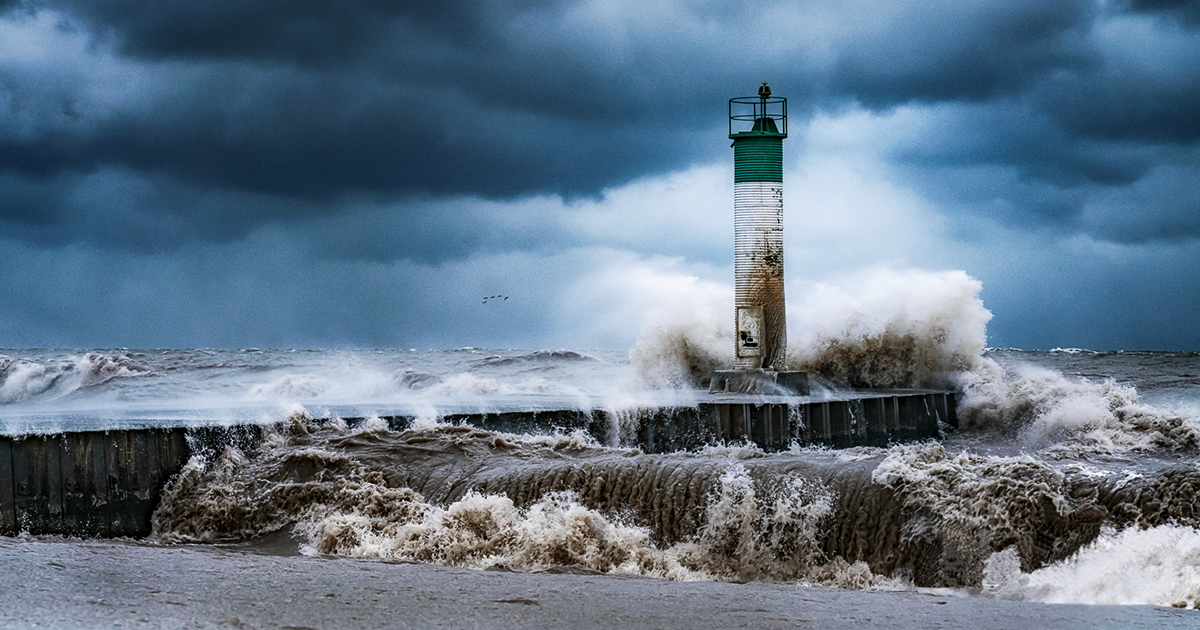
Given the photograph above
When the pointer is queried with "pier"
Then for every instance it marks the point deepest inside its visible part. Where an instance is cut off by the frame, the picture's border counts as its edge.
(108, 482)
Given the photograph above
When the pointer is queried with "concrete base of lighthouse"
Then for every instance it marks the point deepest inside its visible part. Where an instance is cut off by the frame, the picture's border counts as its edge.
(786, 383)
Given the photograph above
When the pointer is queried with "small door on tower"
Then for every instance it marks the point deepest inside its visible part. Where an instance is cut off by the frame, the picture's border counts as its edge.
(750, 331)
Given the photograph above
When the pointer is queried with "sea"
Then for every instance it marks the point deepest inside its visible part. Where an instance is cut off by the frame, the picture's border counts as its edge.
(1072, 477)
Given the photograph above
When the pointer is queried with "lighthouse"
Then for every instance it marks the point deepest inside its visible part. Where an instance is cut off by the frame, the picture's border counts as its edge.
(757, 127)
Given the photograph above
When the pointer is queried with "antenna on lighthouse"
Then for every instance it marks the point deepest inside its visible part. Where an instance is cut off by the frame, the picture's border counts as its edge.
(758, 126)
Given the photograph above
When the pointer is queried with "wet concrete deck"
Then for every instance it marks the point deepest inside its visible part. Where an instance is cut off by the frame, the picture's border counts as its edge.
(94, 584)
(108, 583)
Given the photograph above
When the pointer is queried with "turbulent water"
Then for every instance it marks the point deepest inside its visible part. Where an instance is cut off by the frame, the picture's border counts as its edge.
(1072, 476)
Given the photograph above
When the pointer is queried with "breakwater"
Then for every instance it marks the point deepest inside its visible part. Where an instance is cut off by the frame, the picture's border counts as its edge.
(108, 483)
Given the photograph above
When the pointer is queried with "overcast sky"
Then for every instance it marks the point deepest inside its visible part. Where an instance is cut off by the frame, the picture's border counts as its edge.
(287, 173)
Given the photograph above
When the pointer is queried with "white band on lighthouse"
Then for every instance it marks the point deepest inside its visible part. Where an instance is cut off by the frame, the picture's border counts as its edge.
(758, 275)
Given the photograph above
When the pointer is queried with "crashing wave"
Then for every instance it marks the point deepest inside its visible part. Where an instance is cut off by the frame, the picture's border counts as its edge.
(897, 329)
(1158, 566)
(913, 328)
(1044, 409)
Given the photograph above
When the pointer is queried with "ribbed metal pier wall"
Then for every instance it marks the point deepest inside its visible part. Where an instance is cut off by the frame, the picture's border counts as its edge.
(89, 483)
(108, 483)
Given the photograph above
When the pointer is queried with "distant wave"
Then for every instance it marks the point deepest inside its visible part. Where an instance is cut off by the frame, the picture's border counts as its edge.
(413, 379)
(22, 380)
(537, 357)
(290, 386)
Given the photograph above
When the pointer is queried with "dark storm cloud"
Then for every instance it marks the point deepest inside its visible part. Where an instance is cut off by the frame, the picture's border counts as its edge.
(1119, 194)
(274, 126)
(959, 51)
(1022, 136)
(320, 135)
(1185, 10)
(1096, 132)
(498, 99)
(283, 110)
(315, 32)
(1151, 105)
(128, 210)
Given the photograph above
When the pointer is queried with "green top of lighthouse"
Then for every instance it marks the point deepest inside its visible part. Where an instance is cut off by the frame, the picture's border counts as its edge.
(758, 116)
(757, 126)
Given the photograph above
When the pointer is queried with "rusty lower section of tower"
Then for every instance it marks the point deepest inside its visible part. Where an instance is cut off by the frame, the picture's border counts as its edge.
(758, 276)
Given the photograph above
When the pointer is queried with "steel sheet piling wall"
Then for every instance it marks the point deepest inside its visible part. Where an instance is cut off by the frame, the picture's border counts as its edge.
(37, 483)
(84, 476)
(108, 483)
(89, 483)
(868, 419)
(8, 504)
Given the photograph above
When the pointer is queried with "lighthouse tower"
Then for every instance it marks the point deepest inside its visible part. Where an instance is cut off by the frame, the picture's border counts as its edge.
(757, 126)
(760, 321)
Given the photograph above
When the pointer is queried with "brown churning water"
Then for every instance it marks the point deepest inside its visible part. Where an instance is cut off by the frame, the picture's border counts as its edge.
(462, 496)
